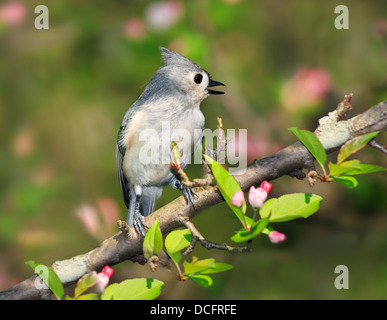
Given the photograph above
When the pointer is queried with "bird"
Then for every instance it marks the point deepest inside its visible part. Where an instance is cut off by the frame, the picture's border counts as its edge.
(168, 110)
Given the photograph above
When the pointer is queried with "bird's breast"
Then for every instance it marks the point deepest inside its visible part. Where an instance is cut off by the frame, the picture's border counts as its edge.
(148, 141)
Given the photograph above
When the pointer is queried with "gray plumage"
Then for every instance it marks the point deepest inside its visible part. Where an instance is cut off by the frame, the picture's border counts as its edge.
(167, 110)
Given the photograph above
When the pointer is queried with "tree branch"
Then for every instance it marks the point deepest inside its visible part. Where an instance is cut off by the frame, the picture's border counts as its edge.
(332, 132)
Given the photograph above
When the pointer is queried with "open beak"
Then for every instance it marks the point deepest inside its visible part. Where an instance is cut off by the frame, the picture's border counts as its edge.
(214, 83)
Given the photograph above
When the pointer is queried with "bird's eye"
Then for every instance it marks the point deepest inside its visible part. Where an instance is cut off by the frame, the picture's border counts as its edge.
(198, 78)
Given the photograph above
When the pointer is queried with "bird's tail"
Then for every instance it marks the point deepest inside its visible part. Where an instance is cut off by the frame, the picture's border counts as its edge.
(148, 199)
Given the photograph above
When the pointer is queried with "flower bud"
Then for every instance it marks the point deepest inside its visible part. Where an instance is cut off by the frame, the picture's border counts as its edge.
(104, 278)
(266, 186)
(257, 196)
(276, 237)
(238, 199)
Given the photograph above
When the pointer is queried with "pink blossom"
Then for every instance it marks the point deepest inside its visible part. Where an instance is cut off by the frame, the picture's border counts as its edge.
(162, 15)
(107, 271)
(238, 199)
(257, 196)
(134, 28)
(307, 88)
(250, 146)
(104, 278)
(12, 12)
(99, 218)
(89, 217)
(109, 209)
(276, 237)
(266, 186)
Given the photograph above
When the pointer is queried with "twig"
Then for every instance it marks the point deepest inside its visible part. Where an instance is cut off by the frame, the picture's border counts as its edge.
(199, 182)
(196, 236)
(123, 226)
(312, 177)
(374, 144)
(344, 106)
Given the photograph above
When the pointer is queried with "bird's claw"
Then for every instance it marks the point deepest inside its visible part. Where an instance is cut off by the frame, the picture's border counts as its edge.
(139, 224)
(189, 194)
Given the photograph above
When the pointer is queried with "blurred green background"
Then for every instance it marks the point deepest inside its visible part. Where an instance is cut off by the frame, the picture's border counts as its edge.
(64, 91)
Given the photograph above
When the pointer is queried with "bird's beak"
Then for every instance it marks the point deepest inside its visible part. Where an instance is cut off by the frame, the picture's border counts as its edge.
(214, 83)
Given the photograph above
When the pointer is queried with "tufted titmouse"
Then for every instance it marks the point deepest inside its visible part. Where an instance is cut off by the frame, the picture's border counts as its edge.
(167, 110)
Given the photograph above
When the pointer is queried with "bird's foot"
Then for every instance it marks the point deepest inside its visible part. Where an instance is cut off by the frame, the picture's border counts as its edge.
(139, 223)
(189, 194)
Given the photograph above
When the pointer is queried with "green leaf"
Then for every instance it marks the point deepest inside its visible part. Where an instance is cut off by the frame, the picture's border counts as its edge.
(244, 235)
(220, 267)
(133, 289)
(201, 279)
(49, 277)
(205, 266)
(176, 257)
(312, 143)
(368, 168)
(354, 145)
(88, 296)
(153, 241)
(267, 230)
(176, 241)
(348, 181)
(84, 283)
(343, 168)
(290, 206)
(353, 167)
(198, 266)
(227, 186)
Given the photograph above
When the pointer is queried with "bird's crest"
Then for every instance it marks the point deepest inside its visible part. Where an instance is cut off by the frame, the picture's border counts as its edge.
(174, 58)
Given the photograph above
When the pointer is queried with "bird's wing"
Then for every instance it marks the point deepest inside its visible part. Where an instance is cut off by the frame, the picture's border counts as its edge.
(120, 153)
(121, 177)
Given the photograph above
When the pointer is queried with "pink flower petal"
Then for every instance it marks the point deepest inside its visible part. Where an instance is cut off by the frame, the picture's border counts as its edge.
(12, 12)
(276, 237)
(257, 197)
(238, 199)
